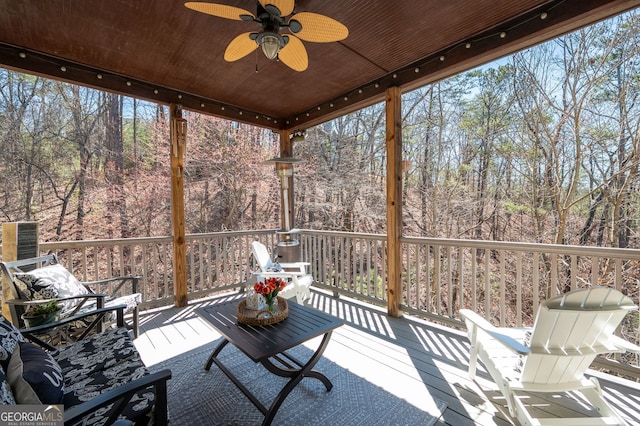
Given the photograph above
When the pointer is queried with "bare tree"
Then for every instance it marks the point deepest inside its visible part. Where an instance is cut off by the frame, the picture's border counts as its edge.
(85, 109)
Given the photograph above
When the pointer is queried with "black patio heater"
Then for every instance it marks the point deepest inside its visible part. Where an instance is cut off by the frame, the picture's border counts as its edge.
(288, 249)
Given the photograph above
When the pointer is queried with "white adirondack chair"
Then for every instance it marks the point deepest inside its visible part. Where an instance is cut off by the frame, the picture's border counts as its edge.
(295, 273)
(570, 330)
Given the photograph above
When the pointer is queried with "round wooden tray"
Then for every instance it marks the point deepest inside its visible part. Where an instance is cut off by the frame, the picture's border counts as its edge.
(263, 317)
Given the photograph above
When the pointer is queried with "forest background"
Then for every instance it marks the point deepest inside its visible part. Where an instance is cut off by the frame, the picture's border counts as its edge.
(542, 146)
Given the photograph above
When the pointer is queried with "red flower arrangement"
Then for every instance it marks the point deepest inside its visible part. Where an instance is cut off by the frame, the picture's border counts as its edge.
(270, 288)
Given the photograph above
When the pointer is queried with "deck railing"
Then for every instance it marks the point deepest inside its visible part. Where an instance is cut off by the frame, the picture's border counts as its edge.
(216, 262)
(504, 281)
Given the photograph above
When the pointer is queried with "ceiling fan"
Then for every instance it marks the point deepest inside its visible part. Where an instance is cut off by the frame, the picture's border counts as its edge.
(273, 16)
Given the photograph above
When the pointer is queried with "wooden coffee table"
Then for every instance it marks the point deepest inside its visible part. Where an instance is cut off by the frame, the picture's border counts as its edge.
(267, 345)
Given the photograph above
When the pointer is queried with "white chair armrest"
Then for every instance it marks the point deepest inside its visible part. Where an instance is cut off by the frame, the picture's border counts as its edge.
(294, 264)
(300, 267)
(282, 274)
(627, 346)
(475, 320)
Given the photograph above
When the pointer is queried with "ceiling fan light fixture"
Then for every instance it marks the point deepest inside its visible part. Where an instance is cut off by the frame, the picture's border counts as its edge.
(271, 44)
(272, 16)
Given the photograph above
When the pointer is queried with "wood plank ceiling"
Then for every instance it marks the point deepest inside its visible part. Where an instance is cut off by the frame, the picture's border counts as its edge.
(159, 50)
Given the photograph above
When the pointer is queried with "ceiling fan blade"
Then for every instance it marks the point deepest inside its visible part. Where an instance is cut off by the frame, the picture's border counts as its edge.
(293, 54)
(219, 10)
(284, 6)
(319, 28)
(240, 47)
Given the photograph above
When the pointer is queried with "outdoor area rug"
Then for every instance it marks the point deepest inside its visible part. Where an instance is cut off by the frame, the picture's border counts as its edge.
(199, 397)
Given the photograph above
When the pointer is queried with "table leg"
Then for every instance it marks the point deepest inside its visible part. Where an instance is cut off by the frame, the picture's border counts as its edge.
(296, 375)
(215, 353)
(213, 358)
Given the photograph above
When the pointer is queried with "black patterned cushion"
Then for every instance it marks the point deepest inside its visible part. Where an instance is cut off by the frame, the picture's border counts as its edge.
(6, 396)
(9, 337)
(97, 353)
(101, 363)
(34, 376)
(48, 282)
(131, 301)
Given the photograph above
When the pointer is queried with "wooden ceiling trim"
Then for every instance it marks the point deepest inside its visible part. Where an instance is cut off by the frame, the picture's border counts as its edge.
(537, 25)
(23, 60)
(289, 101)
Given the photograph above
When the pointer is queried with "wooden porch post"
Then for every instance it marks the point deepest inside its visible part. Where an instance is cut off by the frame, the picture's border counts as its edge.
(178, 143)
(393, 97)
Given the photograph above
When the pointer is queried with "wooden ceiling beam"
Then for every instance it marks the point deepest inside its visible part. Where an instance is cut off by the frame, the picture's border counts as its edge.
(23, 60)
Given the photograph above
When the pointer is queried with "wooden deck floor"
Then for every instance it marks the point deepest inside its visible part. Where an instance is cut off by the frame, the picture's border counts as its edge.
(412, 358)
